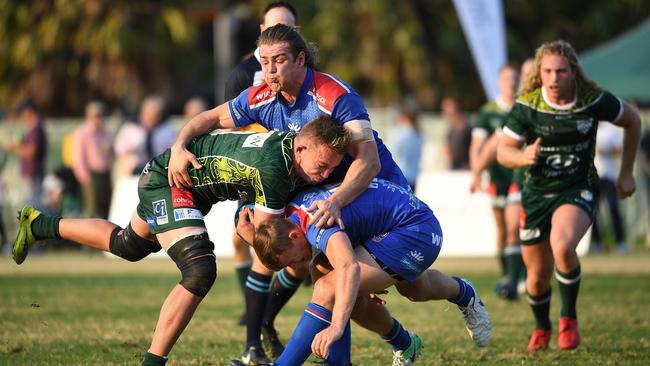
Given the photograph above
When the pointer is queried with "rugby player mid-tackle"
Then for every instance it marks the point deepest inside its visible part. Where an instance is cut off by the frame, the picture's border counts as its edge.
(260, 168)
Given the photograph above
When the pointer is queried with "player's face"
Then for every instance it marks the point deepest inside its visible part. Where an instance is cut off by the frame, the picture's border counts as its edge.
(557, 77)
(299, 252)
(507, 81)
(282, 71)
(316, 162)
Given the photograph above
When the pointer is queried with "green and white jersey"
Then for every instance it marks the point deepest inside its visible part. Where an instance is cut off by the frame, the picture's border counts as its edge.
(491, 119)
(568, 134)
(255, 167)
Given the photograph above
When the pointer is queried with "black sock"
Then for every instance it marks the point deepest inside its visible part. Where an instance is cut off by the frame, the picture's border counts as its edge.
(242, 272)
(503, 264)
(569, 285)
(46, 227)
(282, 289)
(541, 306)
(150, 359)
(514, 263)
(257, 293)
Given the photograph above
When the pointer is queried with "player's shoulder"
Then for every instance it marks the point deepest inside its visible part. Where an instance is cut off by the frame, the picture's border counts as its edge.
(260, 95)
(327, 89)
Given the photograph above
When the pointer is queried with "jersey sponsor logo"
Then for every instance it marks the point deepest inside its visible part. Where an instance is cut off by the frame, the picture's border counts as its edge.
(181, 214)
(151, 221)
(529, 234)
(182, 198)
(417, 256)
(160, 211)
(561, 161)
(436, 239)
(584, 125)
(408, 264)
(256, 139)
(294, 127)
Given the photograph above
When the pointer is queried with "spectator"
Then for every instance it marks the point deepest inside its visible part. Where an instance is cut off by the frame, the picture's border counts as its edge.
(193, 106)
(136, 143)
(32, 150)
(406, 144)
(459, 135)
(93, 146)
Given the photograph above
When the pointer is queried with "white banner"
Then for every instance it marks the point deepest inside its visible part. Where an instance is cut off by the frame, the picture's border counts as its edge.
(468, 228)
(484, 27)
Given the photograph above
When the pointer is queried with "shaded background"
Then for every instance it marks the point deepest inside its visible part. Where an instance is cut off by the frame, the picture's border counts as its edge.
(64, 53)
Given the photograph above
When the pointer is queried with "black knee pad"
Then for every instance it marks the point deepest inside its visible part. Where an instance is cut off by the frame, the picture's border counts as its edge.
(194, 256)
(128, 245)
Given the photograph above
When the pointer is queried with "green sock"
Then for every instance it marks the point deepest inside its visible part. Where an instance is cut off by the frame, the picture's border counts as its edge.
(242, 275)
(150, 359)
(46, 227)
(514, 263)
(503, 263)
(541, 306)
(569, 284)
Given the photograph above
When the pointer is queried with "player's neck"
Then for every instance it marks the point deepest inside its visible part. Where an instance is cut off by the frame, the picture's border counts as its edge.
(291, 92)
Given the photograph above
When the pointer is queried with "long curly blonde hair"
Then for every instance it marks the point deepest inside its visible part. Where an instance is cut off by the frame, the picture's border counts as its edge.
(533, 80)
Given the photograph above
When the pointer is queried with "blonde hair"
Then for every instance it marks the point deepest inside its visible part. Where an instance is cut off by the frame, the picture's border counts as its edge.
(562, 48)
(271, 240)
(326, 131)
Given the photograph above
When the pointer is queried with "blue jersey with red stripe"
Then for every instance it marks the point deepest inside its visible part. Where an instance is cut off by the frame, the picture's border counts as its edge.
(382, 208)
(320, 94)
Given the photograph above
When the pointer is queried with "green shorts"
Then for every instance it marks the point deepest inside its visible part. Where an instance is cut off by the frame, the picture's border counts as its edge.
(163, 207)
(503, 189)
(538, 209)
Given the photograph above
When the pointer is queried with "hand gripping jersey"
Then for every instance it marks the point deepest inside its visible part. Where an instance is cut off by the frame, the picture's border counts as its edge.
(255, 167)
(382, 207)
(320, 94)
(568, 135)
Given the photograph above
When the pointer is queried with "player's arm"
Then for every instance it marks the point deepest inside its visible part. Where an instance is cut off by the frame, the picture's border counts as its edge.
(364, 168)
(479, 137)
(180, 158)
(631, 123)
(341, 256)
(249, 220)
(510, 154)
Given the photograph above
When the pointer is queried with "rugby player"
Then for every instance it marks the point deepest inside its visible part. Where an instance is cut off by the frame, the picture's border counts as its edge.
(504, 186)
(292, 94)
(259, 168)
(390, 238)
(556, 116)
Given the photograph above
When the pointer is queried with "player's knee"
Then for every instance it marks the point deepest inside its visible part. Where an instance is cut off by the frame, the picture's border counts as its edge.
(324, 289)
(129, 245)
(194, 256)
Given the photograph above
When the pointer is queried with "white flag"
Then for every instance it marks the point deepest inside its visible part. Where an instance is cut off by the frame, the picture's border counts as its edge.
(483, 24)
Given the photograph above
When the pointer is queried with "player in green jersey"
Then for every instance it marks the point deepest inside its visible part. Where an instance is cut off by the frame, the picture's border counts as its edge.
(503, 189)
(556, 116)
(261, 168)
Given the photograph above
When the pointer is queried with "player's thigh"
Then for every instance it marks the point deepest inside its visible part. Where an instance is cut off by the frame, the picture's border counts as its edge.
(372, 277)
(569, 224)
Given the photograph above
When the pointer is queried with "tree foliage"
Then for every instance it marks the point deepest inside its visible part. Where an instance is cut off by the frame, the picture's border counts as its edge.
(65, 52)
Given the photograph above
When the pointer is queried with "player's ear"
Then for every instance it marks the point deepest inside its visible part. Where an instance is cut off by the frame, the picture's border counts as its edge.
(294, 234)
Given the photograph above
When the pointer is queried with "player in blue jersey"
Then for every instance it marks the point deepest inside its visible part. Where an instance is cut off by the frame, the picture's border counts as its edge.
(292, 94)
(390, 238)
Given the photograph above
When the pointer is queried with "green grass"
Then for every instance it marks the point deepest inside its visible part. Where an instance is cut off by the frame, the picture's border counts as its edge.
(80, 309)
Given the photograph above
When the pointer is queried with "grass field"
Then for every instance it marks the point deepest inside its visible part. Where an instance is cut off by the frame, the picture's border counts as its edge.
(83, 309)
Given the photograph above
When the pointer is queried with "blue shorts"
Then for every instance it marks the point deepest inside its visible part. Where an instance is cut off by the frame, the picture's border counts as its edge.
(406, 252)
